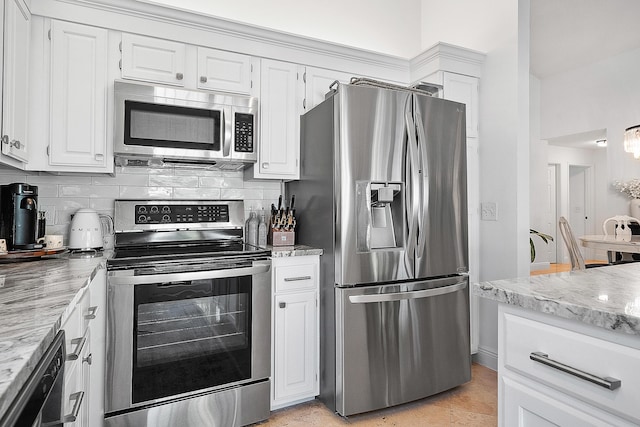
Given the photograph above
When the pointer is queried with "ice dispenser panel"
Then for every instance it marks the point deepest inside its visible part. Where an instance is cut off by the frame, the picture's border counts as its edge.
(380, 215)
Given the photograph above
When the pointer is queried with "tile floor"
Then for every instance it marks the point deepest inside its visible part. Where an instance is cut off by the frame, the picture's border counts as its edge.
(472, 404)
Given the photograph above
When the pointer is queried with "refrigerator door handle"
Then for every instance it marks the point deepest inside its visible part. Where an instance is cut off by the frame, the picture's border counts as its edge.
(424, 188)
(412, 180)
(426, 293)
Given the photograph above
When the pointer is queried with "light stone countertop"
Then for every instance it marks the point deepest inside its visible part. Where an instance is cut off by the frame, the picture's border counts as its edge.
(607, 297)
(36, 297)
(296, 250)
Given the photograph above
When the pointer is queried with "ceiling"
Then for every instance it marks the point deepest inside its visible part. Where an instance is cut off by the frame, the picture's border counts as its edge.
(567, 34)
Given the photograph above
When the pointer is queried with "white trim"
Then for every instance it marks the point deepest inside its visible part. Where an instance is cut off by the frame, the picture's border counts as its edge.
(486, 357)
(446, 57)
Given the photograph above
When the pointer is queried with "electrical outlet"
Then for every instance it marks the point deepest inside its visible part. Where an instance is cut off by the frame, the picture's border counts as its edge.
(489, 211)
(50, 214)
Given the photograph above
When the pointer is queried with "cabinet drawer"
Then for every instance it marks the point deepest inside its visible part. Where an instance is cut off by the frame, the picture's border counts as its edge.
(595, 356)
(296, 277)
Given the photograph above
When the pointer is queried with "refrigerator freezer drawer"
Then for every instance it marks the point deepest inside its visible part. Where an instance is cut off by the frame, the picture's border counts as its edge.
(402, 342)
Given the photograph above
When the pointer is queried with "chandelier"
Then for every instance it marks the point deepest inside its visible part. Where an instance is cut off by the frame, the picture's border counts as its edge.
(632, 140)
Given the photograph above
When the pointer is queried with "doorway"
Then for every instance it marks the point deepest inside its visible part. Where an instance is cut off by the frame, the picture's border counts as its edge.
(581, 203)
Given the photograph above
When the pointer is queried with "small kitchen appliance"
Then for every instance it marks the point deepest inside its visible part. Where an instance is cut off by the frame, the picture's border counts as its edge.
(19, 216)
(188, 316)
(85, 231)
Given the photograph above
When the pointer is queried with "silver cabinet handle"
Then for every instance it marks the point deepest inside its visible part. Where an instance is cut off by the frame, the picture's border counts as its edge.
(5, 139)
(179, 76)
(77, 398)
(79, 343)
(607, 382)
(203, 79)
(265, 165)
(296, 279)
(91, 312)
(98, 156)
(12, 143)
(425, 293)
(282, 305)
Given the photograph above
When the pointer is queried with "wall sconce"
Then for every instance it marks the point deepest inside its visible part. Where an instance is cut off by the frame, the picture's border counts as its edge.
(632, 140)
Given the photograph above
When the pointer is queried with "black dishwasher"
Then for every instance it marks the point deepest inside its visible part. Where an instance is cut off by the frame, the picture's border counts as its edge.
(39, 402)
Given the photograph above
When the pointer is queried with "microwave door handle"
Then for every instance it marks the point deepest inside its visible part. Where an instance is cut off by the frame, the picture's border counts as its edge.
(226, 145)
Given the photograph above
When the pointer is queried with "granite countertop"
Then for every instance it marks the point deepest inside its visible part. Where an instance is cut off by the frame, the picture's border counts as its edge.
(36, 297)
(296, 250)
(608, 297)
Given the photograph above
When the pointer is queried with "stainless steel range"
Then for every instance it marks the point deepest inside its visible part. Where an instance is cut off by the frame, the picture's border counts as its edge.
(188, 323)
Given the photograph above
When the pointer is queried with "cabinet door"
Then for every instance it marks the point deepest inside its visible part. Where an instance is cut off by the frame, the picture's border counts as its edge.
(281, 92)
(152, 60)
(15, 81)
(224, 71)
(526, 406)
(464, 89)
(317, 82)
(78, 96)
(295, 336)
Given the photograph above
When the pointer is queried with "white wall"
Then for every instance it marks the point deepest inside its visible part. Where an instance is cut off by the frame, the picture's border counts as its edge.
(62, 195)
(377, 25)
(603, 95)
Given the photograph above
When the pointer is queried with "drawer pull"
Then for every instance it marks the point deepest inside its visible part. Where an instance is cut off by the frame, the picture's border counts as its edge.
(607, 382)
(77, 398)
(79, 343)
(91, 312)
(296, 279)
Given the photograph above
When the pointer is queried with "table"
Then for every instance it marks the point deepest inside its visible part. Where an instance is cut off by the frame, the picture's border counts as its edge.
(611, 245)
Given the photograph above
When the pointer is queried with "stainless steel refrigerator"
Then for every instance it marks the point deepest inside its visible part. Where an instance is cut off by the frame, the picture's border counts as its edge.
(382, 190)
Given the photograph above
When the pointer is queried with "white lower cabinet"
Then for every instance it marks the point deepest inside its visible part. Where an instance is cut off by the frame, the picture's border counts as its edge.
(555, 371)
(84, 366)
(295, 324)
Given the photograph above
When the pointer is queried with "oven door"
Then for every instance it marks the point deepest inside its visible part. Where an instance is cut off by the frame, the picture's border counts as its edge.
(172, 335)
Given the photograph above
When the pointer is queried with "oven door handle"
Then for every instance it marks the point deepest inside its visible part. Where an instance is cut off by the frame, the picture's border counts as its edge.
(186, 276)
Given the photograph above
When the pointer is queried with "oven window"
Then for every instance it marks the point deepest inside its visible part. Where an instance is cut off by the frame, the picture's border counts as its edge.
(190, 336)
(171, 126)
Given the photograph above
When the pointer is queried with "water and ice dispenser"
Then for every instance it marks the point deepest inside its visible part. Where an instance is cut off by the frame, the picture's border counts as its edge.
(380, 211)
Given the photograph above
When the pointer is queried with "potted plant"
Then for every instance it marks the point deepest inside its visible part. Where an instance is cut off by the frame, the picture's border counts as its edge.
(545, 238)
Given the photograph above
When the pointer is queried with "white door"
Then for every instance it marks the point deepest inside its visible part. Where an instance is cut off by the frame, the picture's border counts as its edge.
(579, 204)
(552, 213)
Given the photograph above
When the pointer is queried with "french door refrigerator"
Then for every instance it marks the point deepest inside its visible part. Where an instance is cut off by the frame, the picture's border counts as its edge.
(383, 192)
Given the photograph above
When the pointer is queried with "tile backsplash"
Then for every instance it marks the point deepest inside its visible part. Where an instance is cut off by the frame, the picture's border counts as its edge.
(62, 195)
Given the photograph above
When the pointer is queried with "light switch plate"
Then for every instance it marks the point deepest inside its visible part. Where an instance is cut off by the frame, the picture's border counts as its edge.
(489, 211)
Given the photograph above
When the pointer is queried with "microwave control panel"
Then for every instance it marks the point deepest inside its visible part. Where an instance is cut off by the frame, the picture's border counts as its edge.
(243, 142)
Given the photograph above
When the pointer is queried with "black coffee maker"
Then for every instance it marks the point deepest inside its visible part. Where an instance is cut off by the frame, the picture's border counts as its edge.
(19, 216)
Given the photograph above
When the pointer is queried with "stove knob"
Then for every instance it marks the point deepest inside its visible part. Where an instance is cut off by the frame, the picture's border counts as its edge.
(154, 209)
(142, 218)
(165, 209)
(142, 209)
(166, 218)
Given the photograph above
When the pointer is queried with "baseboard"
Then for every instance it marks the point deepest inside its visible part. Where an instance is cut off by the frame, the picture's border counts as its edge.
(486, 357)
(540, 266)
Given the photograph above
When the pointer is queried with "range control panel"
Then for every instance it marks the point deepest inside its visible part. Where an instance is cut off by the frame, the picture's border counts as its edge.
(243, 142)
(180, 214)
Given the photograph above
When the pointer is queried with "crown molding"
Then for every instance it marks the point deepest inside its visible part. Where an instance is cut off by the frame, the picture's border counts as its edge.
(154, 20)
(446, 57)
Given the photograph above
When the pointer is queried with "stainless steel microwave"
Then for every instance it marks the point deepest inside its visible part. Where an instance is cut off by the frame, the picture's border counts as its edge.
(158, 125)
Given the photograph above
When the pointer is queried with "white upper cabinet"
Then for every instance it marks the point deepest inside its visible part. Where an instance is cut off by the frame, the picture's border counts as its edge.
(317, 83)
(152, 60)
(78, 102)
(464, 89)
(15, 82)
(281, 95)
(193, 67)
(225, 71)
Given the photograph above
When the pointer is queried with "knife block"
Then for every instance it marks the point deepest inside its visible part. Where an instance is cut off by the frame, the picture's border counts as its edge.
(281, 238)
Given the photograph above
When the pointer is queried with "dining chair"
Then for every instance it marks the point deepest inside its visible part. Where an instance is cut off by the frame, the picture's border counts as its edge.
(575, 256)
